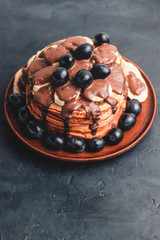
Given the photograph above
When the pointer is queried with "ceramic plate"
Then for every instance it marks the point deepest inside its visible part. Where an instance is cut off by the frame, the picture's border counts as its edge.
(131, 137)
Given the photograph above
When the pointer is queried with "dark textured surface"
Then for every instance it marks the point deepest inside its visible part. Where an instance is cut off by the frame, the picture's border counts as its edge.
(42, 199)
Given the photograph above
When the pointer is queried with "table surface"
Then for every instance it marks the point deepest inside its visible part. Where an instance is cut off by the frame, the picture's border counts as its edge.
(43, 199)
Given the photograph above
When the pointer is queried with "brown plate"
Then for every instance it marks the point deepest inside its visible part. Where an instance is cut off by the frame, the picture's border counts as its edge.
(131, 137)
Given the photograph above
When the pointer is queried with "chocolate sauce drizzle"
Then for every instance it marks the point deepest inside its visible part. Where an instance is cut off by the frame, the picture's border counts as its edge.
(44, 96)
(94, 126)
(113, 102)
(135, 84)
(29, 98)
(44, 113)
(66, 126)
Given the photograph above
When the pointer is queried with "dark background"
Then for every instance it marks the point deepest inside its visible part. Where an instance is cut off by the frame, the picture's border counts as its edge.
(43, 199)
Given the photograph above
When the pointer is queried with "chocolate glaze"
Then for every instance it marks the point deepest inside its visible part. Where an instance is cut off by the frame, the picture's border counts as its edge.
(116, 79)
(93, 127)
(53, 54)
(36, 65)
(43, 75)
(105, 54)
(78, 65)
(113, 102)
(97, 88)
(114, 109)
(91, 108)
(135, 84)
(44, 96)
(68, 92)
(72, 42)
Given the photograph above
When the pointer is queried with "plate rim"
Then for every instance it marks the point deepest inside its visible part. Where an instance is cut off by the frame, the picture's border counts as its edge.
(85, 159)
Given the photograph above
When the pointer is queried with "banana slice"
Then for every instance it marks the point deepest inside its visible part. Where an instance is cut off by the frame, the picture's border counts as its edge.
(54, 46)
(39, 52)
(30, 61)
(88, 40)
(119, 58)
(17, 76)
(62, 40)
(97, 99)
(37, 87)
(58, 101)
(129, 67)
(56, 64)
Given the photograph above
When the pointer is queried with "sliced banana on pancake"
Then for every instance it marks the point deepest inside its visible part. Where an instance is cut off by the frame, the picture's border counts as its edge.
(56, 64)
(30, 61)
(88, 40)
(37, 87)
(119, 58)
(129, 67)
(54, 46)
(58, 101)
(19, 74)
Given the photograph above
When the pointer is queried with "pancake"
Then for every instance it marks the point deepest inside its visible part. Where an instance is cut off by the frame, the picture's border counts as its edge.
(85, 113)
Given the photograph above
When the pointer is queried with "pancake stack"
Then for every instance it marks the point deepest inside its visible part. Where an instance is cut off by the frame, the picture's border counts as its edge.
(82, 112)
